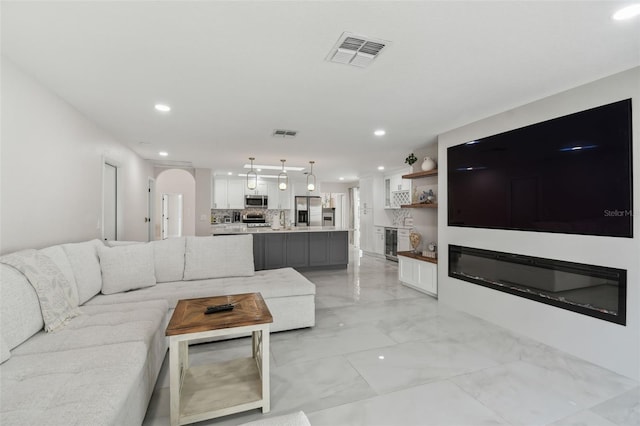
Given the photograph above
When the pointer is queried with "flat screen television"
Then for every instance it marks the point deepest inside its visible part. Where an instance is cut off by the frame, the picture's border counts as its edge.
(571, 174)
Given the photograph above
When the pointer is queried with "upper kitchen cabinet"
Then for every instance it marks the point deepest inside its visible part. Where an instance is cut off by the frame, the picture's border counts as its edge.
(262, 188)
(278, 200)
(397, 191)
(228, 193)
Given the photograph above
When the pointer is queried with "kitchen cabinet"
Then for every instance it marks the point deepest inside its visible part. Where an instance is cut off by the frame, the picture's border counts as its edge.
(396, 191)
(275, 251)
(403, 240)
(258, 252)
(297, 249)
(278, 200)
(228, 193)
(262, 188)
(300, 249)
(328, 248)
(366, 214)
(419, 273)
(378, 238)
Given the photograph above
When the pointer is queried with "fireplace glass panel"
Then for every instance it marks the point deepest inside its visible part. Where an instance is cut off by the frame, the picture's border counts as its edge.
(587, 289)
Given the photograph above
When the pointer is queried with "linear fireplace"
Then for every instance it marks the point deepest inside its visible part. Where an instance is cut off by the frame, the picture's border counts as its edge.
(596, 291)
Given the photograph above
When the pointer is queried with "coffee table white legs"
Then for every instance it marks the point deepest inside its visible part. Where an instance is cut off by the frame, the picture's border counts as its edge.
(260, 345)
(222, 388)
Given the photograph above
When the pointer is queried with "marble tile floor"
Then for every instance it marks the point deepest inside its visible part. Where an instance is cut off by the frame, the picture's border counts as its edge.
(384, 354)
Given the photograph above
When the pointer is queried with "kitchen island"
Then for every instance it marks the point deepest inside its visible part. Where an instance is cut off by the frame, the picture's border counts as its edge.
(304, 247)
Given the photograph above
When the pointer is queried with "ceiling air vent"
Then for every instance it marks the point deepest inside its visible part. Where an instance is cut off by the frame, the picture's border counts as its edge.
(282, 133)
(356, 50)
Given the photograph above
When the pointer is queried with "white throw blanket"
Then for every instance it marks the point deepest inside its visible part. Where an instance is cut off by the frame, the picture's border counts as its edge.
(57, 301)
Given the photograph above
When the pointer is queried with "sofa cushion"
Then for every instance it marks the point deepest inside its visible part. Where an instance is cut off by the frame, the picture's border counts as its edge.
(286, 282)
(52, 288)
(219, 256)
(169, 259)
(126, 267)
(100, 385)
(20, 315)
(5, 354)
(59, 257)
(83, 258)
(103, 325)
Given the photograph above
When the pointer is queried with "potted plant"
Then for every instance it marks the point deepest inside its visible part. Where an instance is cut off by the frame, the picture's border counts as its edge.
(410, 160)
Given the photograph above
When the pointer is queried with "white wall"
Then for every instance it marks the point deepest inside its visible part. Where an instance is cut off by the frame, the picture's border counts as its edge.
(178, 181)
(609, 345)
(51, 170)
(203, 202)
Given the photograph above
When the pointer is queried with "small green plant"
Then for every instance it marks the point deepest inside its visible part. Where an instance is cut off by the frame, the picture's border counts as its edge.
(410, 159)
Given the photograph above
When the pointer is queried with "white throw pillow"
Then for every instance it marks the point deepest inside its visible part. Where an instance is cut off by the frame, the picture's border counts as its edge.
(83, 258)
(127, 267)
(219, 256)
(169, 259)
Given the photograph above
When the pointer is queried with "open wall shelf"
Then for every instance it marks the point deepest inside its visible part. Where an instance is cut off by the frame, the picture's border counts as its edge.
(420, 206)
(418, 175)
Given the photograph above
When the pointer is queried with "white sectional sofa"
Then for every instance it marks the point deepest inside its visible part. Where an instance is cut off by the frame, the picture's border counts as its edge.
(108, 308)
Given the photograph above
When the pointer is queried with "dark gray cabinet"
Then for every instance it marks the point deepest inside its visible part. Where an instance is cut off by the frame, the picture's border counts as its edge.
(300, 250)
(297, 249)
(338, 248)
(319, 249)
(258, 251)
(328, 248)
(275, 251)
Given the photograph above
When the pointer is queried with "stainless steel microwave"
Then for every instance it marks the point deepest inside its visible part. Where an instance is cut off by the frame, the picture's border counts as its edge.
(255, 201)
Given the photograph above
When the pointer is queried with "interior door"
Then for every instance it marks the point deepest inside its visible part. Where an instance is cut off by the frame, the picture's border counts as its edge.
(171, 216)
(110, 203)
(151, 190)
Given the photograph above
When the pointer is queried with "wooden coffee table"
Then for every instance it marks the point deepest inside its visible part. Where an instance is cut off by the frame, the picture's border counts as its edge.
(207, 391)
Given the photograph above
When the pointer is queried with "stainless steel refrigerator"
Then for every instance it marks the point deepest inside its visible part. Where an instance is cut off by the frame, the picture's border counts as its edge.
(308, 211)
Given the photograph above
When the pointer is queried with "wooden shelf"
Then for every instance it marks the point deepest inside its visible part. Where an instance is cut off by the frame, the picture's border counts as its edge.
(420, 206)
(418, 175)
(413, 255)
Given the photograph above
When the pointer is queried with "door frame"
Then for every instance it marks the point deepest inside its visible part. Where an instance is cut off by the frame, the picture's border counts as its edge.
(118, 166)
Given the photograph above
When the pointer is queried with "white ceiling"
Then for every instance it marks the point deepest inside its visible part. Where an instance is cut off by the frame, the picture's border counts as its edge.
(235, 71)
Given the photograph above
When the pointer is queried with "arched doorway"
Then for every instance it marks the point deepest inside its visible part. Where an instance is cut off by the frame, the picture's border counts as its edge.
(176, 200)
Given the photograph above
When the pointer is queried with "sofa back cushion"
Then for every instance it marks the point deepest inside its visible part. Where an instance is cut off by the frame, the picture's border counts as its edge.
(219, 256)
(83, 258)
(169, 259)
(20, 315)
(4, 351)
(126, 267)
(60, 259)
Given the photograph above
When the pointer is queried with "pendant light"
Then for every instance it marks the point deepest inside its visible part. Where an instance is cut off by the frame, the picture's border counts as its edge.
(252, 177)
(283, 179)
(311, 179)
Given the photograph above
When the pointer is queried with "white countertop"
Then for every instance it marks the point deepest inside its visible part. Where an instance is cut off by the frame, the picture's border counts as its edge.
(242, 229)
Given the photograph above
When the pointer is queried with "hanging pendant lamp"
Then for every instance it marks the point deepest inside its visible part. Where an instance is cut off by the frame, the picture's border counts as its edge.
(311, 179)
(252, 176)
(283, 179)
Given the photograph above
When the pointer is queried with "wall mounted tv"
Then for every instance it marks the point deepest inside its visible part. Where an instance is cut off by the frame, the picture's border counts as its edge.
(570, 175)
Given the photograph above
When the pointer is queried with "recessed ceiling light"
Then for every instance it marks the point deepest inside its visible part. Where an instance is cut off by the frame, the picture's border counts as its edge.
(341, 178)
(259, 170)
(163, 153)
(379, 132)
(380, 167)
(162, 107)
(230, 173)
(627, 12)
